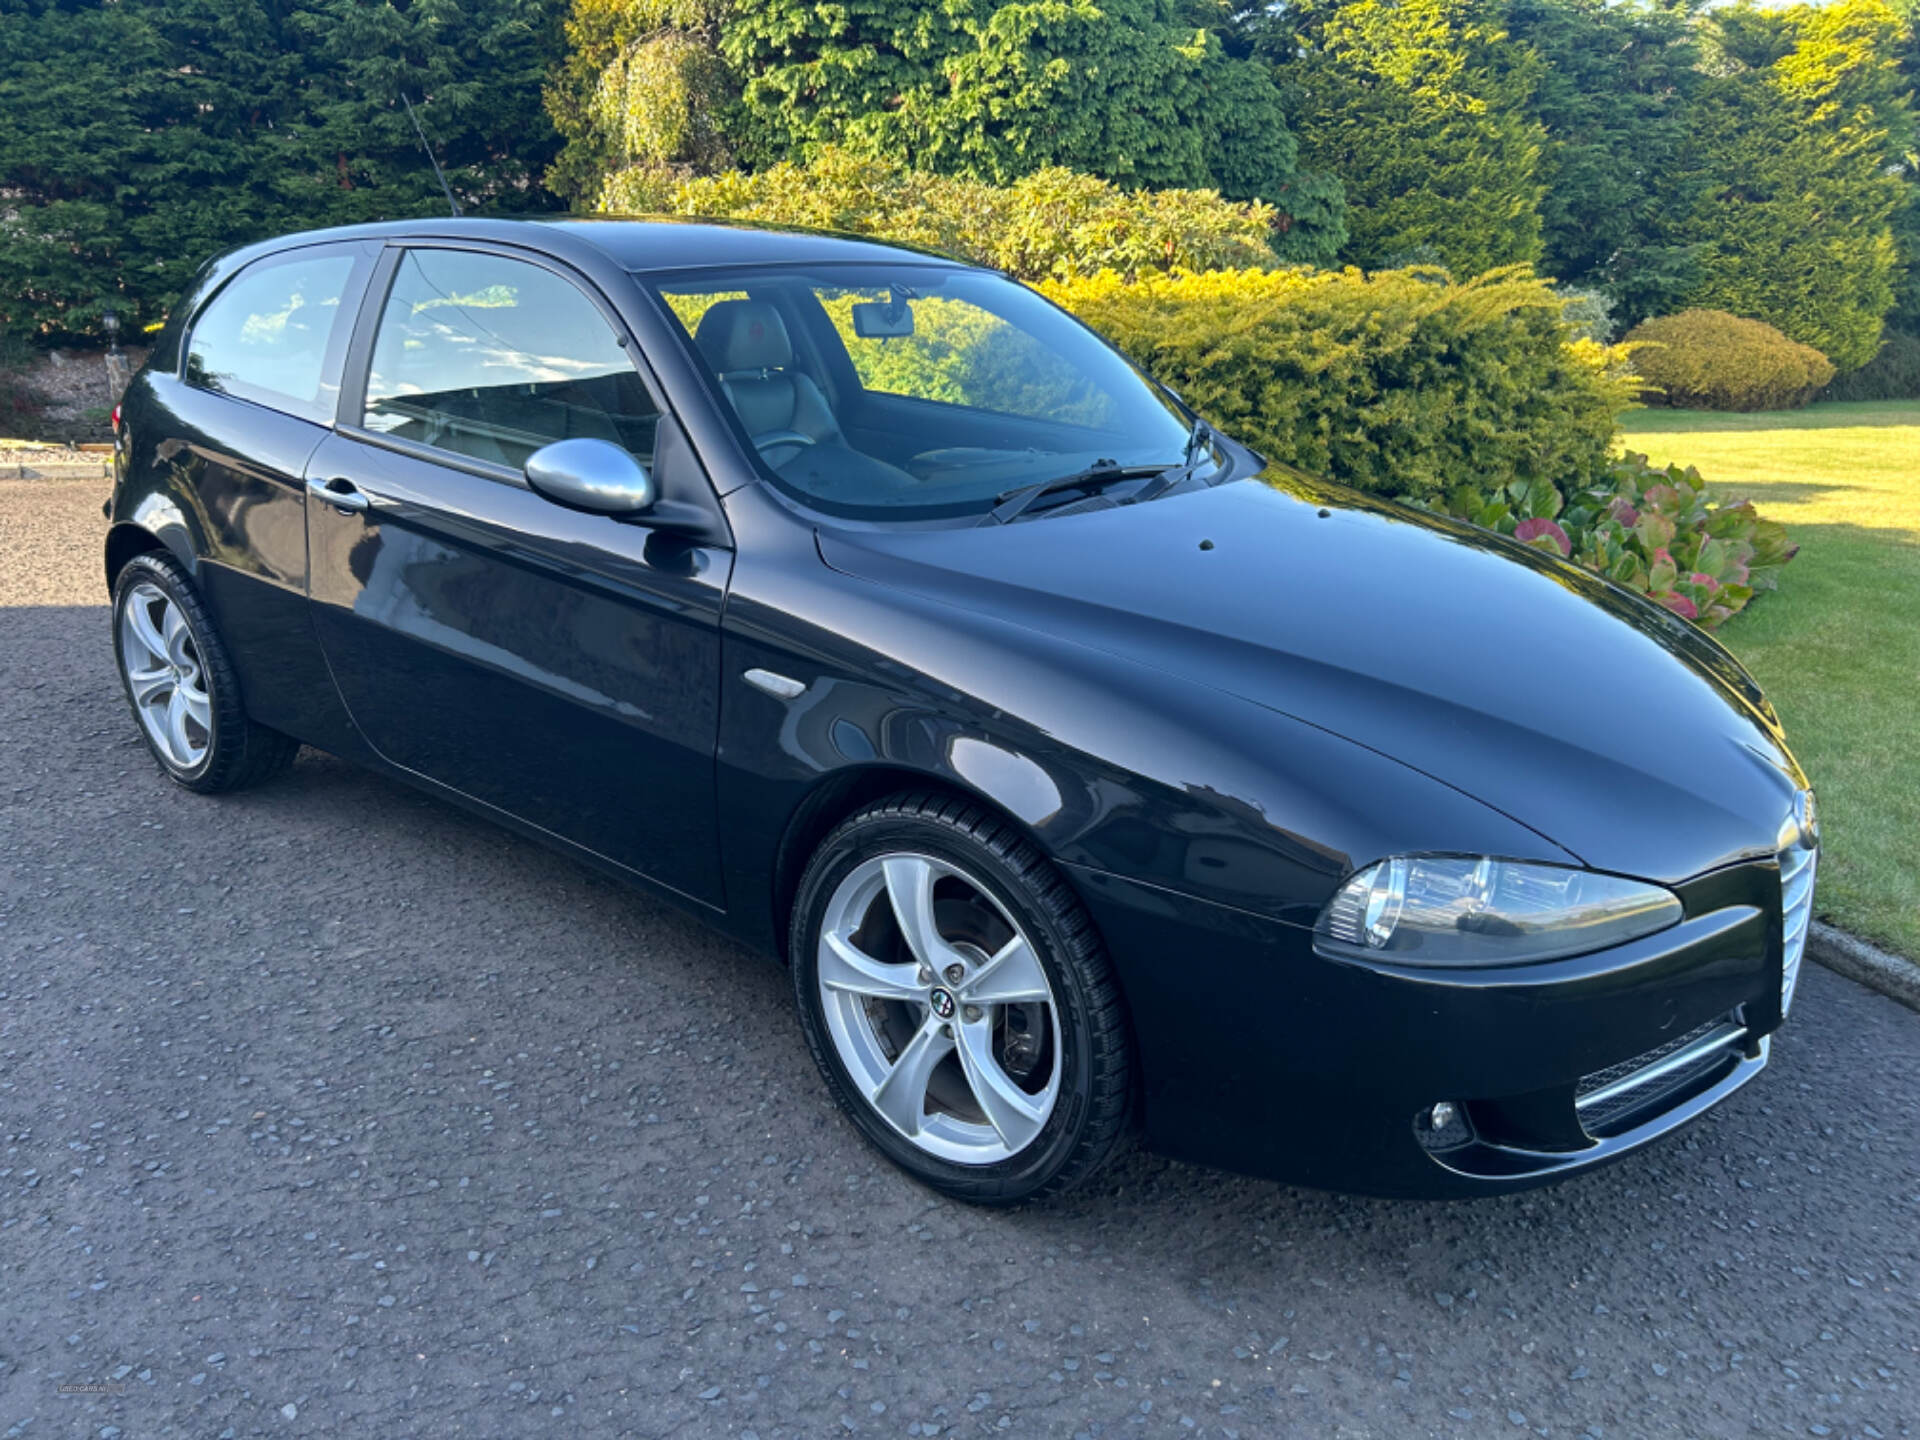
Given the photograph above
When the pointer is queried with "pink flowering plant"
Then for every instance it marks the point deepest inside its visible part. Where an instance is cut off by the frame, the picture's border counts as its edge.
(1653, 530)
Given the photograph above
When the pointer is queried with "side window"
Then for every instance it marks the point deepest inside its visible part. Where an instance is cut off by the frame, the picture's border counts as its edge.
(274, 334)
(493, 358)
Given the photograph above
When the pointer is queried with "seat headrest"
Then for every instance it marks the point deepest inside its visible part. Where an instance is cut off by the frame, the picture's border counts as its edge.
(738, 335)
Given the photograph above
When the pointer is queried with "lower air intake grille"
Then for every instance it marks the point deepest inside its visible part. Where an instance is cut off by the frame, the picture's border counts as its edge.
(1796, 913)
(1607, 1096)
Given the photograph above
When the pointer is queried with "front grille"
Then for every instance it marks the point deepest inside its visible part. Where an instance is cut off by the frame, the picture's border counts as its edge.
(1607, 1096)
(1796, 914)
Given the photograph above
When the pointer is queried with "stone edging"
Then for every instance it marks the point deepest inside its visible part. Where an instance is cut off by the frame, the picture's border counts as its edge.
(34, 460)
(1873, 967)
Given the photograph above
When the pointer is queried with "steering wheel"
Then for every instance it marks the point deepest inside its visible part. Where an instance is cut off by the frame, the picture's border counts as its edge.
(781, 437)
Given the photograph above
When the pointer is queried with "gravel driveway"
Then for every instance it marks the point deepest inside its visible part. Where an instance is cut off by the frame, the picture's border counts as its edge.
(329, 1109)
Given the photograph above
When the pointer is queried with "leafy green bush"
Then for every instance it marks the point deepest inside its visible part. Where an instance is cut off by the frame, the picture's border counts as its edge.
(1403, 383)
(1710, 360)
(1651, 530)
(1052, 224)
(1892, 374)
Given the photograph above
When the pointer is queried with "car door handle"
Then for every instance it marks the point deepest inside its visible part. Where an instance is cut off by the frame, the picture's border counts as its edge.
(341, 493)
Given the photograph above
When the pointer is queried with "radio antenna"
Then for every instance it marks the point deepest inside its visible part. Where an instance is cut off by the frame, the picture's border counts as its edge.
(438, 173)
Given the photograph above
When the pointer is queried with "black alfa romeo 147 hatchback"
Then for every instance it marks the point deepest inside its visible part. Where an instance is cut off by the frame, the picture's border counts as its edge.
(1087, 774)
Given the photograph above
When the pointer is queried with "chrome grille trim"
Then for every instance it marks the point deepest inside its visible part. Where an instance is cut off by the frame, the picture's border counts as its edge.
(1608, 1094)
(1797, 867)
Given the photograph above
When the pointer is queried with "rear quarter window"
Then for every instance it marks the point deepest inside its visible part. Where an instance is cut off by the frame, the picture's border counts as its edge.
(276, 332)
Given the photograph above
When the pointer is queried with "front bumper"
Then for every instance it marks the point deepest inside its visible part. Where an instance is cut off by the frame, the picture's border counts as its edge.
(1259, 1055)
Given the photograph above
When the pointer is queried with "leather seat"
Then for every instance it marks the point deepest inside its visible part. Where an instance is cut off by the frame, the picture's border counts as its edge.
(746, 342)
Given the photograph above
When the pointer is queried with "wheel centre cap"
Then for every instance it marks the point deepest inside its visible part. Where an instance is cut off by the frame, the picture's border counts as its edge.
(941, 1000)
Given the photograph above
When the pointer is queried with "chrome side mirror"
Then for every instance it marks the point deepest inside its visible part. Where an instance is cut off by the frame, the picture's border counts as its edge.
(594, 475)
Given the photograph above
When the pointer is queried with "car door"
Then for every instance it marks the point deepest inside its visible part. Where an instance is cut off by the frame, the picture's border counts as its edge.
(558, 666)
(230, 435)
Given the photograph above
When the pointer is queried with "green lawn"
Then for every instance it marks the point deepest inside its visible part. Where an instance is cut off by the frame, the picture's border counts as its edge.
(1837, 646)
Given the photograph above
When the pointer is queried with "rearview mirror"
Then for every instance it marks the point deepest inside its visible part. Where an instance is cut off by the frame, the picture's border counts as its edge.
(593, 475)
(882, 319)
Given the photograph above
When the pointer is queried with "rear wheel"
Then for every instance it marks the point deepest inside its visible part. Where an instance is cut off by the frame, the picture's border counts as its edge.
(958, 1001)
(181, 685)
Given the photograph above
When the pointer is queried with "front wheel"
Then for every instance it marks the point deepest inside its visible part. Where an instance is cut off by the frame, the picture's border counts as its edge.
(958, 1000)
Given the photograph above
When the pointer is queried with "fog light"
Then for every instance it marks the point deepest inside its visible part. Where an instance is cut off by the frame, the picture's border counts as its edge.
(1442, 1126)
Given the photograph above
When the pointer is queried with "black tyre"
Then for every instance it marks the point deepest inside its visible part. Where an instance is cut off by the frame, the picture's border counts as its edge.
(959, 1002)
(181, 684)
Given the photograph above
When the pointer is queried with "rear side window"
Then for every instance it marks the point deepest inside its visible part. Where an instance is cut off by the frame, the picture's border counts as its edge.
(492, 358)
(276, 332)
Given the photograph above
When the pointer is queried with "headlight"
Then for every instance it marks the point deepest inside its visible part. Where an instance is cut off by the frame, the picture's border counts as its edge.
(1471, 910)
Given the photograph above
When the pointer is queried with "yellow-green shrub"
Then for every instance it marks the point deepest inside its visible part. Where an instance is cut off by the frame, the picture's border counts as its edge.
(1401, 382)
(1710, 360)
(1050, 225)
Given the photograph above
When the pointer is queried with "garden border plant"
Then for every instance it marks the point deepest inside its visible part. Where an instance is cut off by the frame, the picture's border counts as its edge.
(1650, 529)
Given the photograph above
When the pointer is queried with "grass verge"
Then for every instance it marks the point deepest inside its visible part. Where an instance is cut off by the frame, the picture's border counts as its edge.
(1838, 645)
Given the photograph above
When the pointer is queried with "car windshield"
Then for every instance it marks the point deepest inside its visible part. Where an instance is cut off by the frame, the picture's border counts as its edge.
(911, 391)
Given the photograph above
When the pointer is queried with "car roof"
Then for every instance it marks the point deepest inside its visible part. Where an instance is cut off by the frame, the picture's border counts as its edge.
(639, 244)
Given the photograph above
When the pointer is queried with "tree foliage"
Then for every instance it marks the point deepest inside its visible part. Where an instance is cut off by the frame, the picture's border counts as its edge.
(1665, 153)
(1132, 91)
(1892, 374)
(143, 135)
(472, 69)
(1906, 220)
(643, 88)
(1616, 82)
(1421, 109)
(1794, 140)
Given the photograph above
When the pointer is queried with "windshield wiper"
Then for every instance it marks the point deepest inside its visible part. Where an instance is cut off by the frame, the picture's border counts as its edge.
(1012, 503)
(1199, 446)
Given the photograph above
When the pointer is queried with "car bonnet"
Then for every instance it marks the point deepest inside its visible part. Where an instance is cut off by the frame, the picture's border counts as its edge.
(1592, 716)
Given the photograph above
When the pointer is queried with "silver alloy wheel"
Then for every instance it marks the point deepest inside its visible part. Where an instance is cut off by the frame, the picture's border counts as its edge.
(957, 1045)
(165, 676)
